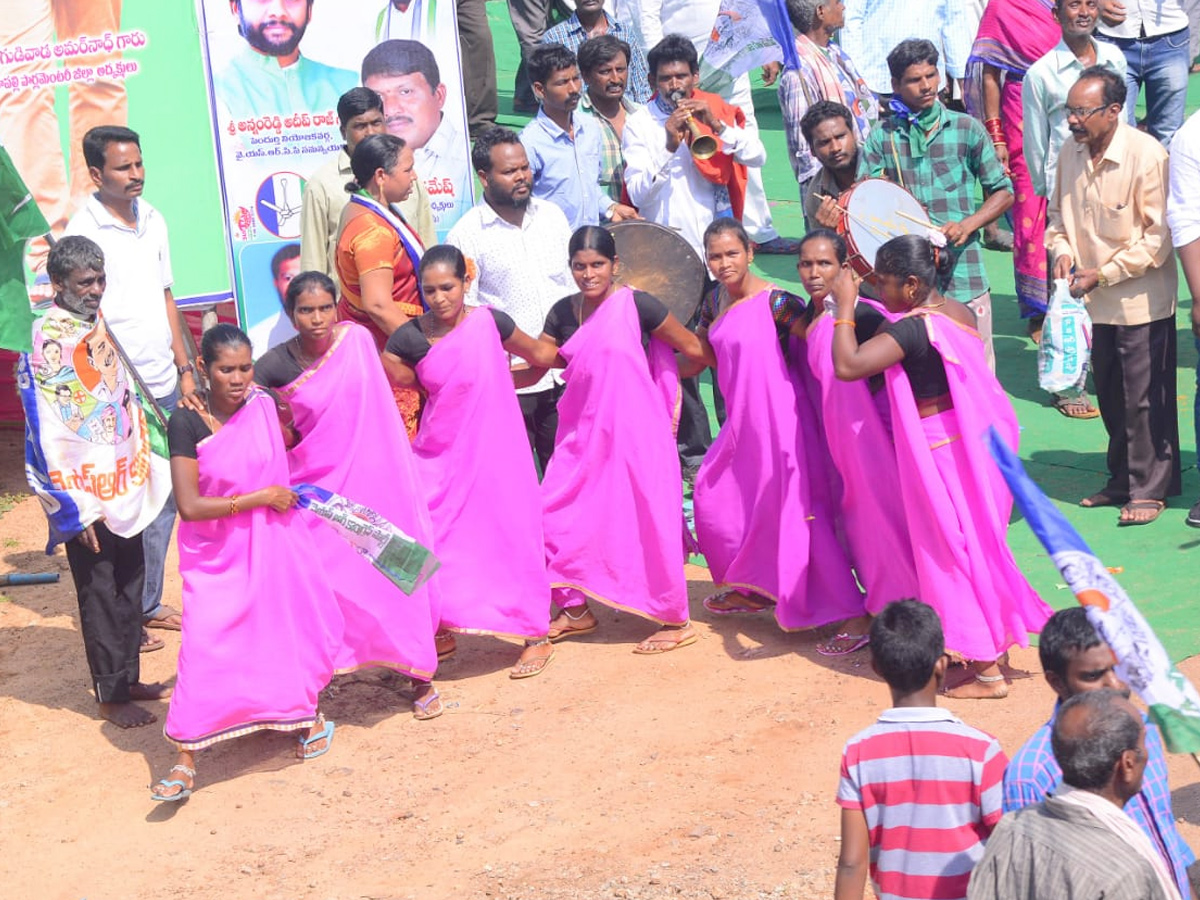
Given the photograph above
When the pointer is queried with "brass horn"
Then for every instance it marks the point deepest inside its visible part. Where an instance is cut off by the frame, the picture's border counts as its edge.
(702, 146)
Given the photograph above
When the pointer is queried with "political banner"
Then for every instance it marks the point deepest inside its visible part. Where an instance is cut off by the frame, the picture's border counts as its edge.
(1142, 661)
(67, 66)
(746, 35)
(275, 73)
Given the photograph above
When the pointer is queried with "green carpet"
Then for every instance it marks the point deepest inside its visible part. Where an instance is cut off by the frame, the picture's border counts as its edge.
(1064, 456)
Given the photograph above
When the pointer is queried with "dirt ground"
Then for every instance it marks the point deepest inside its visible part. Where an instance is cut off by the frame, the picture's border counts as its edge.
(706, 773)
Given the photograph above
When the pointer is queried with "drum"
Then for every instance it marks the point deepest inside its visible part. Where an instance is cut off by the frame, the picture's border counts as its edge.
(657, 260)
(873, 212)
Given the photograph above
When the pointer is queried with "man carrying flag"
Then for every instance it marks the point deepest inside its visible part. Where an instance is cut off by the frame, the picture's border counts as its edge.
(96, 472)
(1106, 643)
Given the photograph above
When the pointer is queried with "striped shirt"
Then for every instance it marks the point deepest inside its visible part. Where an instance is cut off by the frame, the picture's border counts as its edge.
(929, 786)
(1034, 774)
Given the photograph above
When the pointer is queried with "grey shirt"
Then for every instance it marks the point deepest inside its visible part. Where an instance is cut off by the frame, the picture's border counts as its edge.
(1056, 849)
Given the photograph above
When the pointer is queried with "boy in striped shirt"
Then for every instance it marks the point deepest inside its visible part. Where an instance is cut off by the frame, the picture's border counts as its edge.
(920, 790)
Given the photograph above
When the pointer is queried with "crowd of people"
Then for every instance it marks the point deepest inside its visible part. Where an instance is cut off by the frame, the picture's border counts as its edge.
(540, 420)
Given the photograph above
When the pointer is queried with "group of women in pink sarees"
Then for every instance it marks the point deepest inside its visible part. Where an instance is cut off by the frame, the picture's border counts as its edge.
(817, 477)
(852, 469)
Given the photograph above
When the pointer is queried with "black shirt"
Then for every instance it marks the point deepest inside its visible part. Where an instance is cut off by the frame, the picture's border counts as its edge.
(922, 363)
(410, 343)
(278, 366)
(185, 430)
(562, 322)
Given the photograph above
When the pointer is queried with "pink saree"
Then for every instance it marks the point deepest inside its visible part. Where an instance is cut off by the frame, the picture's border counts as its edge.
(352, 441)
(867, 487)
(764, 515)
(612, 493)
(1013, 35)
(956, 503)
(476, 470)
(260, 624)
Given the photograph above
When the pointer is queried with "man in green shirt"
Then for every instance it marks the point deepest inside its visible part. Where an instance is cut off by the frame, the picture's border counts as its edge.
(940, 156)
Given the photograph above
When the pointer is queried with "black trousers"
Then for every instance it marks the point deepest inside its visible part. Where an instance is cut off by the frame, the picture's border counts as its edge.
(1133, 367)
(108, 586)
(479, 64)
(540, 411)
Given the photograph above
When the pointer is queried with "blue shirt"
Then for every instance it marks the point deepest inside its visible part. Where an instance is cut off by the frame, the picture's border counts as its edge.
(567, 170)
(1033, 774)
(572, 35)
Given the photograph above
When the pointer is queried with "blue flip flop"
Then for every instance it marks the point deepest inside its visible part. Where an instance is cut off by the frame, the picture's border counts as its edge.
(325, 734)
(172, 782)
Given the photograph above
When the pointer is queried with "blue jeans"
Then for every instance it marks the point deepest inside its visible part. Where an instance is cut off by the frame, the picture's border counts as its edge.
(156, 539)
(1161, 64)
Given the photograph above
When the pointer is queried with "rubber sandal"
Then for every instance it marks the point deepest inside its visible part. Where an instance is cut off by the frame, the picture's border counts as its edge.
(563, 633)
(858, 641)
(173, 782)
(161, 620)
(448, 645)
(667, 646)
(421, 707)
(1076, 407)
(735, 610)
(1155, 506)
(325, 734)
(150, 643)
(538, 664)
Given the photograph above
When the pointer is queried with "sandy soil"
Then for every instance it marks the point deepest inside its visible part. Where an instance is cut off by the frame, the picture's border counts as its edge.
(706, 773)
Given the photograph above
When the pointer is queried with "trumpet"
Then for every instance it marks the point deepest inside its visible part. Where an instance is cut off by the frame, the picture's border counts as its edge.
(702, 146)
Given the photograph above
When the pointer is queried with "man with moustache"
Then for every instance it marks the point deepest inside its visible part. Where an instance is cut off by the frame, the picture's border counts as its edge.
(139, 308)
(519, 245)
(590, 21)
(1108, 236)
(406, 75)
(940, 157)
(828, 130)
(101, 534)
(269, 75)
(565, 151)
(604, 65)
(1076, 660)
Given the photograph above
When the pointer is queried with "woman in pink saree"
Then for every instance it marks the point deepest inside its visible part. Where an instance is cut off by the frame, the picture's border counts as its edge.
(260, 626)
(956, 505)
(1013, 35)
(866, 478)
(473, 461)
(765, 518)
(352, 441)
(613, 491)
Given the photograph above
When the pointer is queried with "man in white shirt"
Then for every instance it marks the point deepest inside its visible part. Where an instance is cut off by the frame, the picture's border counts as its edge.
(139, 308)
(1153, 35)
(1183, 216)
(694, 19)
(519, 245)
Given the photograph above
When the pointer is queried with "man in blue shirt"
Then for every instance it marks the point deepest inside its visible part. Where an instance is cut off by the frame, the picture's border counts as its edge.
(1075, 659)
(566, 151)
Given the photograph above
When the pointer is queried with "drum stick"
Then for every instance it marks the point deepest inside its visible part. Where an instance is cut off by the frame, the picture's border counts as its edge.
(878, 231)
(902, 214)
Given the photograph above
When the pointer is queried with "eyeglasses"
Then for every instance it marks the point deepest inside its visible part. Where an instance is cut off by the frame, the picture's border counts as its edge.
(1082, 113)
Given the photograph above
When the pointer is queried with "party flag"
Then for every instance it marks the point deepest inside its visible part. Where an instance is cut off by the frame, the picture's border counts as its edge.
(20, 219)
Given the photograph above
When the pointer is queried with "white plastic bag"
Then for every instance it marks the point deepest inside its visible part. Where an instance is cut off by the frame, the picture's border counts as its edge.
(1066, 343)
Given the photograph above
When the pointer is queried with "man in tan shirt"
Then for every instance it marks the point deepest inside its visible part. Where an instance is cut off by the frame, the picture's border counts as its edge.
(1108, 235)
(360, 110)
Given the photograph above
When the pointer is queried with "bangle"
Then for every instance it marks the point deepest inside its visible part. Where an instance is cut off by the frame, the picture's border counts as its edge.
(233, 505)
(995, 130)
(849, 322)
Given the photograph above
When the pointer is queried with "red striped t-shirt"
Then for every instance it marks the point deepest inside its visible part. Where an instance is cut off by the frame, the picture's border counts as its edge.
(930, 787)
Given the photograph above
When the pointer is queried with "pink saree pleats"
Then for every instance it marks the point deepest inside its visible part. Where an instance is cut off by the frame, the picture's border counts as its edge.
(259, 631)
(353, 442)
(612, 494)
(956, 504)
(867, 483)
(477, 472)
(764, 517)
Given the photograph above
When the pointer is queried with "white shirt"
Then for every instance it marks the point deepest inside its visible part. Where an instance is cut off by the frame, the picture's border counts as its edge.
(667, 188)
(874, 27)
(137, 264)
(1183, 212)
(692, 18)
(1155, 17)
(523, 270)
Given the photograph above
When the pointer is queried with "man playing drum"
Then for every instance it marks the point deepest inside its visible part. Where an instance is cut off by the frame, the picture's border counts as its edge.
(939, 156)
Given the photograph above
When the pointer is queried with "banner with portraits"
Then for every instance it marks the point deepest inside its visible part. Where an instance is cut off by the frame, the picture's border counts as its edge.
(276, 69)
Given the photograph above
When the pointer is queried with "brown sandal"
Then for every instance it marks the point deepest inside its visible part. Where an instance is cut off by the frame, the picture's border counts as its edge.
(1131, 509)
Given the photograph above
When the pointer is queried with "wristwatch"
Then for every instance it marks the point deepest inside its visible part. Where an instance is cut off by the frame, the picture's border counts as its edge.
(183, 370)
